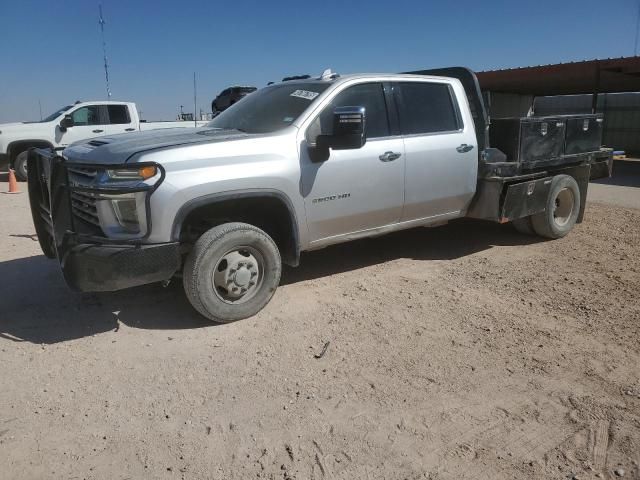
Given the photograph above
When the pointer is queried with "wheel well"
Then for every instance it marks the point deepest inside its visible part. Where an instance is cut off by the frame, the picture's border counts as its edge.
(269, 213)
(16, 148)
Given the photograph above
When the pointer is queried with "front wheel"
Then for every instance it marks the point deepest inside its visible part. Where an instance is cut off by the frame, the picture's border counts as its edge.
(232, 272)
(20, 165)
(562, 208)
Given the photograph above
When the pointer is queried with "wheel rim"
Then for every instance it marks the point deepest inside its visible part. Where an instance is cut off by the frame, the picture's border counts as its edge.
(22, 165)
(238, 275)
(563, 207)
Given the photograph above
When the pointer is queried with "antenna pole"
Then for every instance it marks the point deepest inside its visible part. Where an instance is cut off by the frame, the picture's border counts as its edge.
(195, 103)
(101, 22)
(40, 107)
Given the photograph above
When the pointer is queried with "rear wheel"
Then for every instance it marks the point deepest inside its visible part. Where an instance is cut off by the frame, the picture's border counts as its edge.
(20, 165)
(562, 208)
(232, 272)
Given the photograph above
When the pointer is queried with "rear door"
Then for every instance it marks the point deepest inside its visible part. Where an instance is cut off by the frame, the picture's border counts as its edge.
(440, 147)
(119, 118)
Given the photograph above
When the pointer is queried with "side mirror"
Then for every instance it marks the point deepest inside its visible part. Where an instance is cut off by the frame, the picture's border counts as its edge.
(348, 130)
(66, 122)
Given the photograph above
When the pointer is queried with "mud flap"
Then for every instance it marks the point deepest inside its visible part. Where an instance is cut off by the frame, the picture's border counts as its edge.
(524, 199)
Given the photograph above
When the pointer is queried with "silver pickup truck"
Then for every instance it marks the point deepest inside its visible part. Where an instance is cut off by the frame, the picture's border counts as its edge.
(292, 167)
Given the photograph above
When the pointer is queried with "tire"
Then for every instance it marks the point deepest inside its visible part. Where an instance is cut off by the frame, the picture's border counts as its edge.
(523, 225)
(232, 255)
(562, 209)
(20, 165)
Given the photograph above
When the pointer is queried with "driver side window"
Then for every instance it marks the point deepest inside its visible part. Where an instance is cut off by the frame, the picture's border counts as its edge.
(86, 116)
(367, 95)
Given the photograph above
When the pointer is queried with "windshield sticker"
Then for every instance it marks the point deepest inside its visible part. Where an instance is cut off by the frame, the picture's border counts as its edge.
(287, 119)
(305, 94)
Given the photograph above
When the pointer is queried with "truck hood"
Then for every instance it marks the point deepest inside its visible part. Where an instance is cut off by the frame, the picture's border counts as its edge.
(5, 126)
(23, 129)
(11, 132)
(118, 149)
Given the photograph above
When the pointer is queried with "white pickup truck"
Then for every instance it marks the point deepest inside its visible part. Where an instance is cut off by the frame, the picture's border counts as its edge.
(70, 124)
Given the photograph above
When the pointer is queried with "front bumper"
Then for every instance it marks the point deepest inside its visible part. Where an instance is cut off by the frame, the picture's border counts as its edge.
(90, 262)
(105, 268)
(4, 160)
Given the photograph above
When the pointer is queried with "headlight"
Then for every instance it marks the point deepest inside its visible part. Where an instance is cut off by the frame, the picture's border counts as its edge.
(119, 196)
(142, 173)
(122, 215)
(126, 214)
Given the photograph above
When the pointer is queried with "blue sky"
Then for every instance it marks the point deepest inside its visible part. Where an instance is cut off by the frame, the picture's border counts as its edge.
(51, 50)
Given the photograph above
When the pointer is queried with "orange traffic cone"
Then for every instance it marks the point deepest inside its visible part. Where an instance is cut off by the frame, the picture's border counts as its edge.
(13, 184)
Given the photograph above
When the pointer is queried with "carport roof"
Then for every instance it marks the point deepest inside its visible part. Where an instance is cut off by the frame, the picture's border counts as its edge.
(612, 75)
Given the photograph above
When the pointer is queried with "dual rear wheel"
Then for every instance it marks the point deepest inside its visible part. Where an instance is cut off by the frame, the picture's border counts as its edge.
(560, 214)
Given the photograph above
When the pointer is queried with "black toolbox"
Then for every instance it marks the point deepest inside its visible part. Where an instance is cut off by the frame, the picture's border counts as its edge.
(528, 140)
(584, 133)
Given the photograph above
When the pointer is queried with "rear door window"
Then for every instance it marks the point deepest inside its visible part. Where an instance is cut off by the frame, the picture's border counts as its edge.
(118, 114)
(426, 108)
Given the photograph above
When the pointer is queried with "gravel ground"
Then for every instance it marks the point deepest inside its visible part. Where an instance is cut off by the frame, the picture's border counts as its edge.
(622, 188)
(463, 352)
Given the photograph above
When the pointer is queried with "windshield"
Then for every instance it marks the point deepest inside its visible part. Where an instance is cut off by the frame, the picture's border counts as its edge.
(269, 109)
(55, 115)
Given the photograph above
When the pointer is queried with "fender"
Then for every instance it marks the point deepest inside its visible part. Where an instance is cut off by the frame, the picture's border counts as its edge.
(37, 143)
(213, 198)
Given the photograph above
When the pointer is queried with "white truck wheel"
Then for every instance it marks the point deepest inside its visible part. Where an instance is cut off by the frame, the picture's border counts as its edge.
(20, 165)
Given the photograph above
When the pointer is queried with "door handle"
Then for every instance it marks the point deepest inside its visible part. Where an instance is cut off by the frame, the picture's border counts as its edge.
(97, 131)
(464, 148)
(389, 156)
(129, 129)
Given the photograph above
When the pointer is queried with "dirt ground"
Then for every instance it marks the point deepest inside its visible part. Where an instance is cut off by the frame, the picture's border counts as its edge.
(463, 352)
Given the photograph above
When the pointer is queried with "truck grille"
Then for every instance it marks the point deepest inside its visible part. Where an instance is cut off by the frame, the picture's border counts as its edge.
(84, 207)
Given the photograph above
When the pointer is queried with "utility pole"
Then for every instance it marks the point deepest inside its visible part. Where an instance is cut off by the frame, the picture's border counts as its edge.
(195, 103)
(635, 44)
(104, 52)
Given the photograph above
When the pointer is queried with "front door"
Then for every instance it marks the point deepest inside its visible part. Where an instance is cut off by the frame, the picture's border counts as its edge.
(354, 190)
(88, 122)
